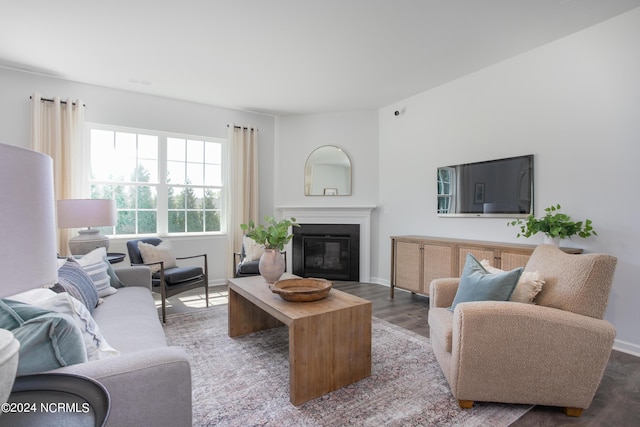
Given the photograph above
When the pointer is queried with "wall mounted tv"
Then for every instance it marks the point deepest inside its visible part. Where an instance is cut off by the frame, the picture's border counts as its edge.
(493, 188)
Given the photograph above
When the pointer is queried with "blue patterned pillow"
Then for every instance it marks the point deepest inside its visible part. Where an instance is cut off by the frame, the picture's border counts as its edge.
(75, 281)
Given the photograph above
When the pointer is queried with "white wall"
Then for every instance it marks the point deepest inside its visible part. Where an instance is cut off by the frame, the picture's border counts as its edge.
(575, 105)
(121, 108)
(298, 135)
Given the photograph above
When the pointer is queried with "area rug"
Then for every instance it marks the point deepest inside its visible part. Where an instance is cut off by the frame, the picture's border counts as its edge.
(244, 381)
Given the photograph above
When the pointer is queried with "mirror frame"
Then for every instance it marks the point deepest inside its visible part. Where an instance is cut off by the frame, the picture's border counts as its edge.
(328, 190)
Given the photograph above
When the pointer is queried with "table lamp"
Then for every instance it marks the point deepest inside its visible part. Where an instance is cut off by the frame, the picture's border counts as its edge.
(28, 233)
(76, 213)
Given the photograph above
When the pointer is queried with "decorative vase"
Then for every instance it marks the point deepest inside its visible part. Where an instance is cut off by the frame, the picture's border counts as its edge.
(271, 265)
(548, 240)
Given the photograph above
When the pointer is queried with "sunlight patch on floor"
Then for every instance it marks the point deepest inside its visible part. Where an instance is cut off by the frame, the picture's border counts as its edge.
(194, 299)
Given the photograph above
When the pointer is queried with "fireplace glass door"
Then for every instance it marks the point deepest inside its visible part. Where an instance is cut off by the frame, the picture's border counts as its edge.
(326, 257)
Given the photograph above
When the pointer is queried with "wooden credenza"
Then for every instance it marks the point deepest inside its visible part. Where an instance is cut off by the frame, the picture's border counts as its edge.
(417, 260)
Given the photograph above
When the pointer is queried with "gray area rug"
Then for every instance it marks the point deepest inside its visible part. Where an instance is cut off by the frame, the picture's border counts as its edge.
(244, 381)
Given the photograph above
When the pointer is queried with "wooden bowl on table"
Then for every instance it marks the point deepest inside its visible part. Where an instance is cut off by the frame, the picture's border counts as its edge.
(302, 289)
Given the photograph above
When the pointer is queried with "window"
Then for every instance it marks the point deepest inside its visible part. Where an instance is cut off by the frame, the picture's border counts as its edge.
(162, 183)
(446, 185)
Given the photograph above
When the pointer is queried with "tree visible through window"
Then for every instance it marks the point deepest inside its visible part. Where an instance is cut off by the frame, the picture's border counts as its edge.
(194, 178)
(162, 183)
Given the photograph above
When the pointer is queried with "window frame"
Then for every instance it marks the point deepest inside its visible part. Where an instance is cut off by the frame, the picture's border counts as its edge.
(162, 186)
(446, 200)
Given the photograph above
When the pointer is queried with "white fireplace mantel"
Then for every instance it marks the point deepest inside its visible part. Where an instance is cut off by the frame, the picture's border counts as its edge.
(337, 215)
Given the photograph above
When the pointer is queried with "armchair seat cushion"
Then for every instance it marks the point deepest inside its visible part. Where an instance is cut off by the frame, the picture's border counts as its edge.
(174, 276)
(441, 326)
(249, 267)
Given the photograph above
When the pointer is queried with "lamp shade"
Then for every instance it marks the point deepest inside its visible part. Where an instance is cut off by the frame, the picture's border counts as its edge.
(77, 213)
(27, 220)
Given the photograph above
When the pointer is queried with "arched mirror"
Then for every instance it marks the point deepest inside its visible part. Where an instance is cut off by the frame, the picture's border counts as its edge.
(327, 172)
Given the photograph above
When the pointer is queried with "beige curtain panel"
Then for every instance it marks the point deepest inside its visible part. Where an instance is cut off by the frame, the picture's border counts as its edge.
(57, 130)
(243, 195)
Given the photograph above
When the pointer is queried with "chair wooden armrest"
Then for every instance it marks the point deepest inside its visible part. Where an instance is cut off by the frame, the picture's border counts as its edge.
(192, 256)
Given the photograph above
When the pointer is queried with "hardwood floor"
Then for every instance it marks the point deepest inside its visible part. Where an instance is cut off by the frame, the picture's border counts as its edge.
(617, 401)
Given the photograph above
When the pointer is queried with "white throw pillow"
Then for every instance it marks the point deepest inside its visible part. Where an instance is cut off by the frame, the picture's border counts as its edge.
(96, 345)
(162, 252)
(95, 265)
(528, 287)
(33, 296)
(252, 250)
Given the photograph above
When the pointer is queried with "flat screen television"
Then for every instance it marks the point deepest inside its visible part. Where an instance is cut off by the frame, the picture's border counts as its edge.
(493, 188)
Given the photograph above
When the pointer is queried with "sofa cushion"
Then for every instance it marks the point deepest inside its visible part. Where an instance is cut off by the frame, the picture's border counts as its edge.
(160, 253)
(441, 326)
(74, 280)
(96, 266)
(477, 284)
(129, 320)
(528, 287)
(48, 340)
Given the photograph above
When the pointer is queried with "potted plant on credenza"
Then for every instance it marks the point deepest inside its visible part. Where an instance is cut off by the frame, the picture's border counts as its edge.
(555, 225)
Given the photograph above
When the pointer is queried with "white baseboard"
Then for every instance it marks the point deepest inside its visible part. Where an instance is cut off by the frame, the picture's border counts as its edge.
(217, 282)
(379, 281)
(627, 347)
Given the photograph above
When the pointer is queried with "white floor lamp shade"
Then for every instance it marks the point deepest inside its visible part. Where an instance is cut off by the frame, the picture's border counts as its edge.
(28, 233)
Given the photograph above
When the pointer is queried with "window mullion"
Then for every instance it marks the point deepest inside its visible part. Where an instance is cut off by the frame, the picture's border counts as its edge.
(163, 191)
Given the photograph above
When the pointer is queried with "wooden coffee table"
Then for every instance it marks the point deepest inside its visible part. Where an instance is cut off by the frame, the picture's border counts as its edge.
(329, 340)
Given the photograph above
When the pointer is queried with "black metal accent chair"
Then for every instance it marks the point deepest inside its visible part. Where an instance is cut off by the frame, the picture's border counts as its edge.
(243, 268)
(172, 281)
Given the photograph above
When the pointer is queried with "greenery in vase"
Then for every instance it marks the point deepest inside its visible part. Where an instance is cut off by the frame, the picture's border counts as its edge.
(554, 224)
(274, 235)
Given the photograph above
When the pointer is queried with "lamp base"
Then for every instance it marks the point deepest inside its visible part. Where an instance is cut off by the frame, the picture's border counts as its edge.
(9, 347)
(88, 240)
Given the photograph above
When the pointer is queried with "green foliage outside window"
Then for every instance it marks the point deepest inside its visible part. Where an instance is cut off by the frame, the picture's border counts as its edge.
(137, 205)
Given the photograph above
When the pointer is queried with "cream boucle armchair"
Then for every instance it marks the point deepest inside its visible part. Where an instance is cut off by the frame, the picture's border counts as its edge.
(552, 353)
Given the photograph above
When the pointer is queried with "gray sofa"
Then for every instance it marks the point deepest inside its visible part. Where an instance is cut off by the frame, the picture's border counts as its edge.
(149, 382)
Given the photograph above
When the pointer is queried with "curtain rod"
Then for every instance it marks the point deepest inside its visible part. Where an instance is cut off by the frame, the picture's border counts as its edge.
(61, 102)
(242, 127)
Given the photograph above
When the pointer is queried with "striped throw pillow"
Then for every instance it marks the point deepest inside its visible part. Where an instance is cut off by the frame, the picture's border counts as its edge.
(96, 267)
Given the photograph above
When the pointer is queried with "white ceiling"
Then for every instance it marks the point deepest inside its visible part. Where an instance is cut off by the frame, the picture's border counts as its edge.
(282, 56)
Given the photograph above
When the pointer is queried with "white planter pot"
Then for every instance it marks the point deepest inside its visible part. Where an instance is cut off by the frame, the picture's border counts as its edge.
(271, 265)
(548, 240)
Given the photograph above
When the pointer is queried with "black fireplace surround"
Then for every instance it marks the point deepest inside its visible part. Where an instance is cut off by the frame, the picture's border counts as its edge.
(328, 251)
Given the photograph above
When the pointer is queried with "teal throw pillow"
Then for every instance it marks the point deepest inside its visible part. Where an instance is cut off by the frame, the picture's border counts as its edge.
(113, 278)
(477, 284)
(48, 340)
